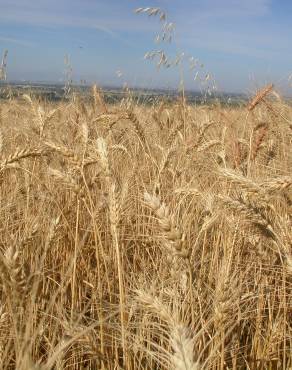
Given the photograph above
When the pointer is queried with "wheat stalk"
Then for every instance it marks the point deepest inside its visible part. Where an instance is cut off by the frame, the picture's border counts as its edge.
(249, 214)
(277, 185)
(181, 341)
(114, 208)
(245, 183)
(137, 126)
(260, 95)
(173, 237)
(21, 154)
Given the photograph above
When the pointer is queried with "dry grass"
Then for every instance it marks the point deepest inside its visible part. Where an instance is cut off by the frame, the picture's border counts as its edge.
(140, 237)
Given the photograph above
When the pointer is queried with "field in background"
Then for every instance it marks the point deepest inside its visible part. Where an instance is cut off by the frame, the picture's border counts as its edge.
(114, 95)
(145, 237)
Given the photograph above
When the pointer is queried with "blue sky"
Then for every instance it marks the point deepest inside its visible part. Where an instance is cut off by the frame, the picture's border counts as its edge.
(242, 43)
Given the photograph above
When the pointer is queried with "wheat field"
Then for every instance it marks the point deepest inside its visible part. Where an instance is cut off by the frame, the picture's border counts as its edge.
(145, 237)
